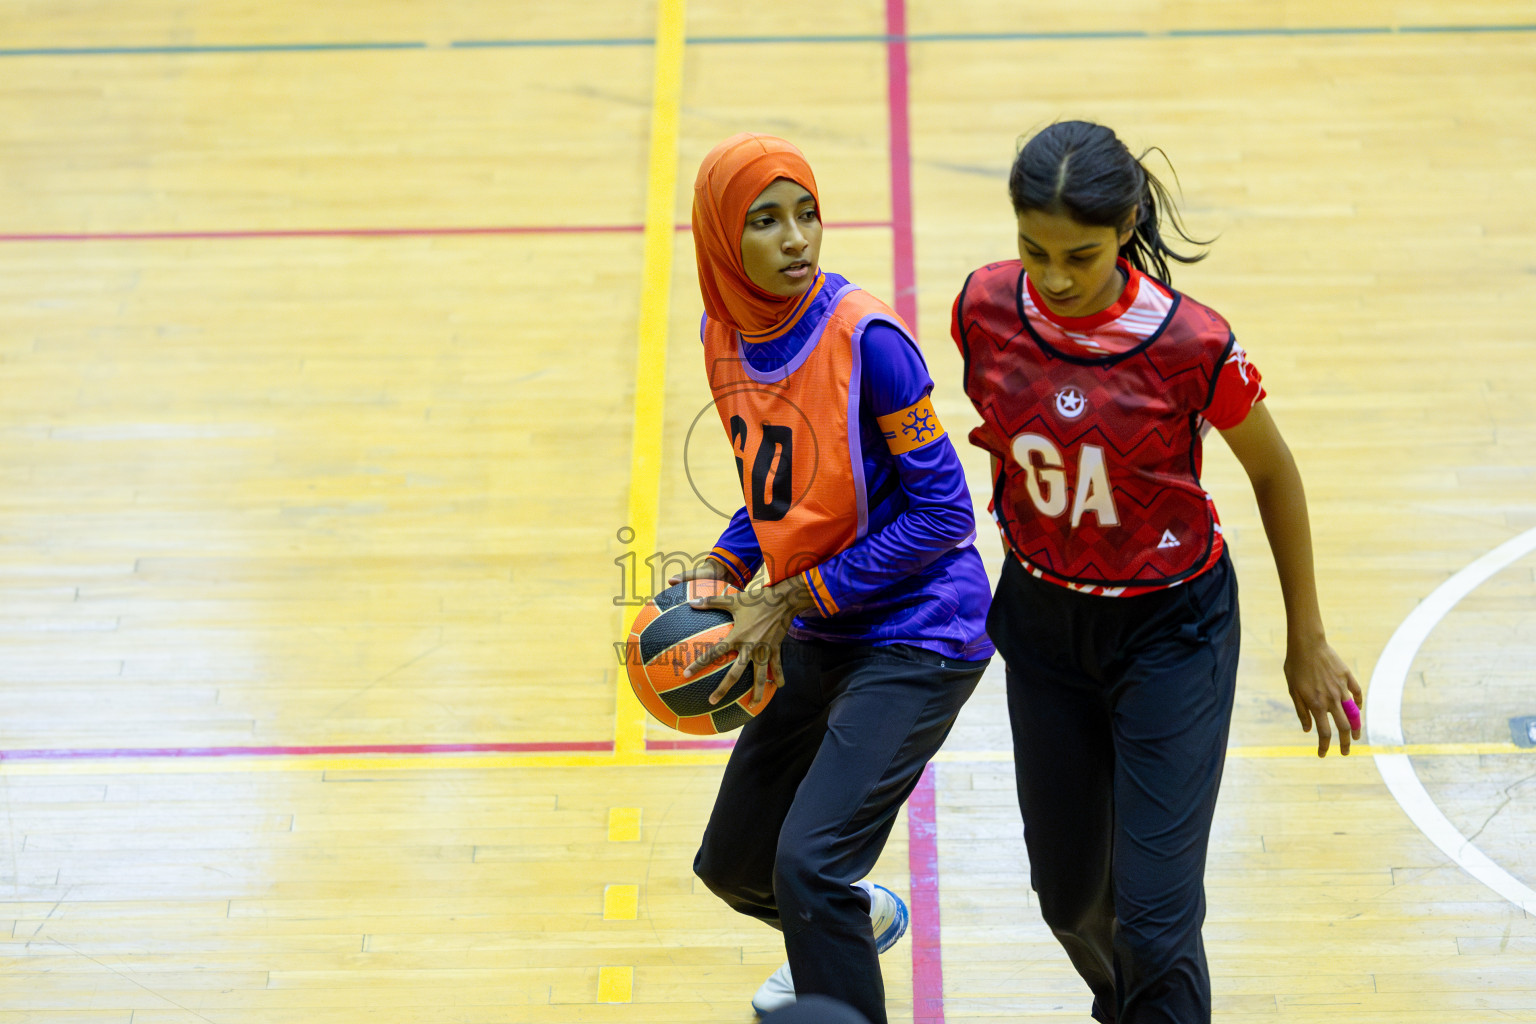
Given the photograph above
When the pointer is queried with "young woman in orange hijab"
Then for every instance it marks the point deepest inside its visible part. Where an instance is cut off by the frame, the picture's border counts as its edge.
(870, 611)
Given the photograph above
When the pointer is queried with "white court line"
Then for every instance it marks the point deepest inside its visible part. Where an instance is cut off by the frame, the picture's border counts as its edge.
(1384, 715)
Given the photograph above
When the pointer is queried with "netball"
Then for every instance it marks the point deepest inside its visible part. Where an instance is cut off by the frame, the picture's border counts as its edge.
(668, 635)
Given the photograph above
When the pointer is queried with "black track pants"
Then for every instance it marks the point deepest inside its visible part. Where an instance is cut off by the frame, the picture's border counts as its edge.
(1120, 709)
(811, 792)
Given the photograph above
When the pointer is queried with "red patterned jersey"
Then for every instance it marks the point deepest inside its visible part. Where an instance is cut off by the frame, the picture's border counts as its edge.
(1095, 424)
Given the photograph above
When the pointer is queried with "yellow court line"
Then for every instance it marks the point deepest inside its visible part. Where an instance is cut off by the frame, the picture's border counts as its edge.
(615, 984)
(651, 365)
(624, 824)
(1366, 750)
(437, 762)
(355, 763)
(621, 902)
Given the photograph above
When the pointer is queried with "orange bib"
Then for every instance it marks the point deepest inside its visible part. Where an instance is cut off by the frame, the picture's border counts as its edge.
(795, 432)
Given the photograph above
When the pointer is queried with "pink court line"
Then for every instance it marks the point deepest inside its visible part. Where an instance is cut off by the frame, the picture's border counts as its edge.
(922, 818)
(422, 232)
(156, 236)
(123, 753)
(689, 744)
(923, 868)
(900, 131)
(550, 747)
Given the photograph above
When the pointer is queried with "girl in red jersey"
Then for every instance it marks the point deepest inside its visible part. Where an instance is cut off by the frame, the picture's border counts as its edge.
(1116, 611)
(871, 614)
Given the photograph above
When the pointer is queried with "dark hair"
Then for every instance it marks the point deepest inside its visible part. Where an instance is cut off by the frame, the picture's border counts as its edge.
(1085, 171)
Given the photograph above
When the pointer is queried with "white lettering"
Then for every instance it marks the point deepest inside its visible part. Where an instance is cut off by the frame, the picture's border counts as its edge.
(1046, 483)
(1045, 479)
(1093, 490)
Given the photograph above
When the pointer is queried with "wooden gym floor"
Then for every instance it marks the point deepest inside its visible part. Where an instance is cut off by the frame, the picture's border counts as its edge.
(349, 374)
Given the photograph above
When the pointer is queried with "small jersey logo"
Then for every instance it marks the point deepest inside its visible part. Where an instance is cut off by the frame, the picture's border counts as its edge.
(1071, 403)
(1169, 540)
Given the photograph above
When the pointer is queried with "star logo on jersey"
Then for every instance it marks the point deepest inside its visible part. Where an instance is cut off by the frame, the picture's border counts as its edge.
(1071, 403)
(1169, 540)
(919, 426)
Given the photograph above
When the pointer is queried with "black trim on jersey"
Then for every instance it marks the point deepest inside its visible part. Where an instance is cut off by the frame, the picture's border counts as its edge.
(965, 342)
(1198, 566)
(1194, 472)
(1221, 363)
(1109, 360)
(1000, 507)
(1159, 582)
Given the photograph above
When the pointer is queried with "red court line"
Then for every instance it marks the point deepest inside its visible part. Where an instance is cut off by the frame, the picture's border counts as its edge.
(549, 747)
(923, 867)
(155, 236)
(118, 753)
(689, 744)
(905, 299)
(922, 820)
(421, 232)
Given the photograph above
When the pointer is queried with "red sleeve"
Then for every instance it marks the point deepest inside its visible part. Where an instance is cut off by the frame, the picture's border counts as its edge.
(1239, 387)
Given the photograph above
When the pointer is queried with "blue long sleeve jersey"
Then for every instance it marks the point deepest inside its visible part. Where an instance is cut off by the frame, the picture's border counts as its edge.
(915, 576)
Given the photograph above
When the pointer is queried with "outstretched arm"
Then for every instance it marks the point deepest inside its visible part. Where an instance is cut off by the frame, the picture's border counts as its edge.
(1317, 677)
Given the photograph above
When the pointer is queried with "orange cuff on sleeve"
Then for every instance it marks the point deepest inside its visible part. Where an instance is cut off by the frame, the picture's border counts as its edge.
(737, 567)
(819, 592)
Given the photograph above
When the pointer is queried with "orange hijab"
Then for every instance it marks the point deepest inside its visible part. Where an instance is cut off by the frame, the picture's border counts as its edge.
(731, 177)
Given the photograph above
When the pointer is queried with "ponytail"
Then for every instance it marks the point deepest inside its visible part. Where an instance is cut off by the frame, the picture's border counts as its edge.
(1084, 171)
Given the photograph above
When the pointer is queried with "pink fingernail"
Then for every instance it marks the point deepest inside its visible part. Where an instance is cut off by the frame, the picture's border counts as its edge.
(1352, 712)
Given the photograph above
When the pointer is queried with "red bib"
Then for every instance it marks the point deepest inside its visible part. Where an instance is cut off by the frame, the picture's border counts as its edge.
(1099, 453)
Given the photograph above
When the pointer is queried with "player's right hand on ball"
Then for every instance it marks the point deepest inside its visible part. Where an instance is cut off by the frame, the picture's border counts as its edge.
(707, 569)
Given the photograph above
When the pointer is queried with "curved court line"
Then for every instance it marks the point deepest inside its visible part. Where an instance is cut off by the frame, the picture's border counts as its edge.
(1385, 726)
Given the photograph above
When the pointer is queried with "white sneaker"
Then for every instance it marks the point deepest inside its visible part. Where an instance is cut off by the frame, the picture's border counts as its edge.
(775, 993)
(887, 916)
